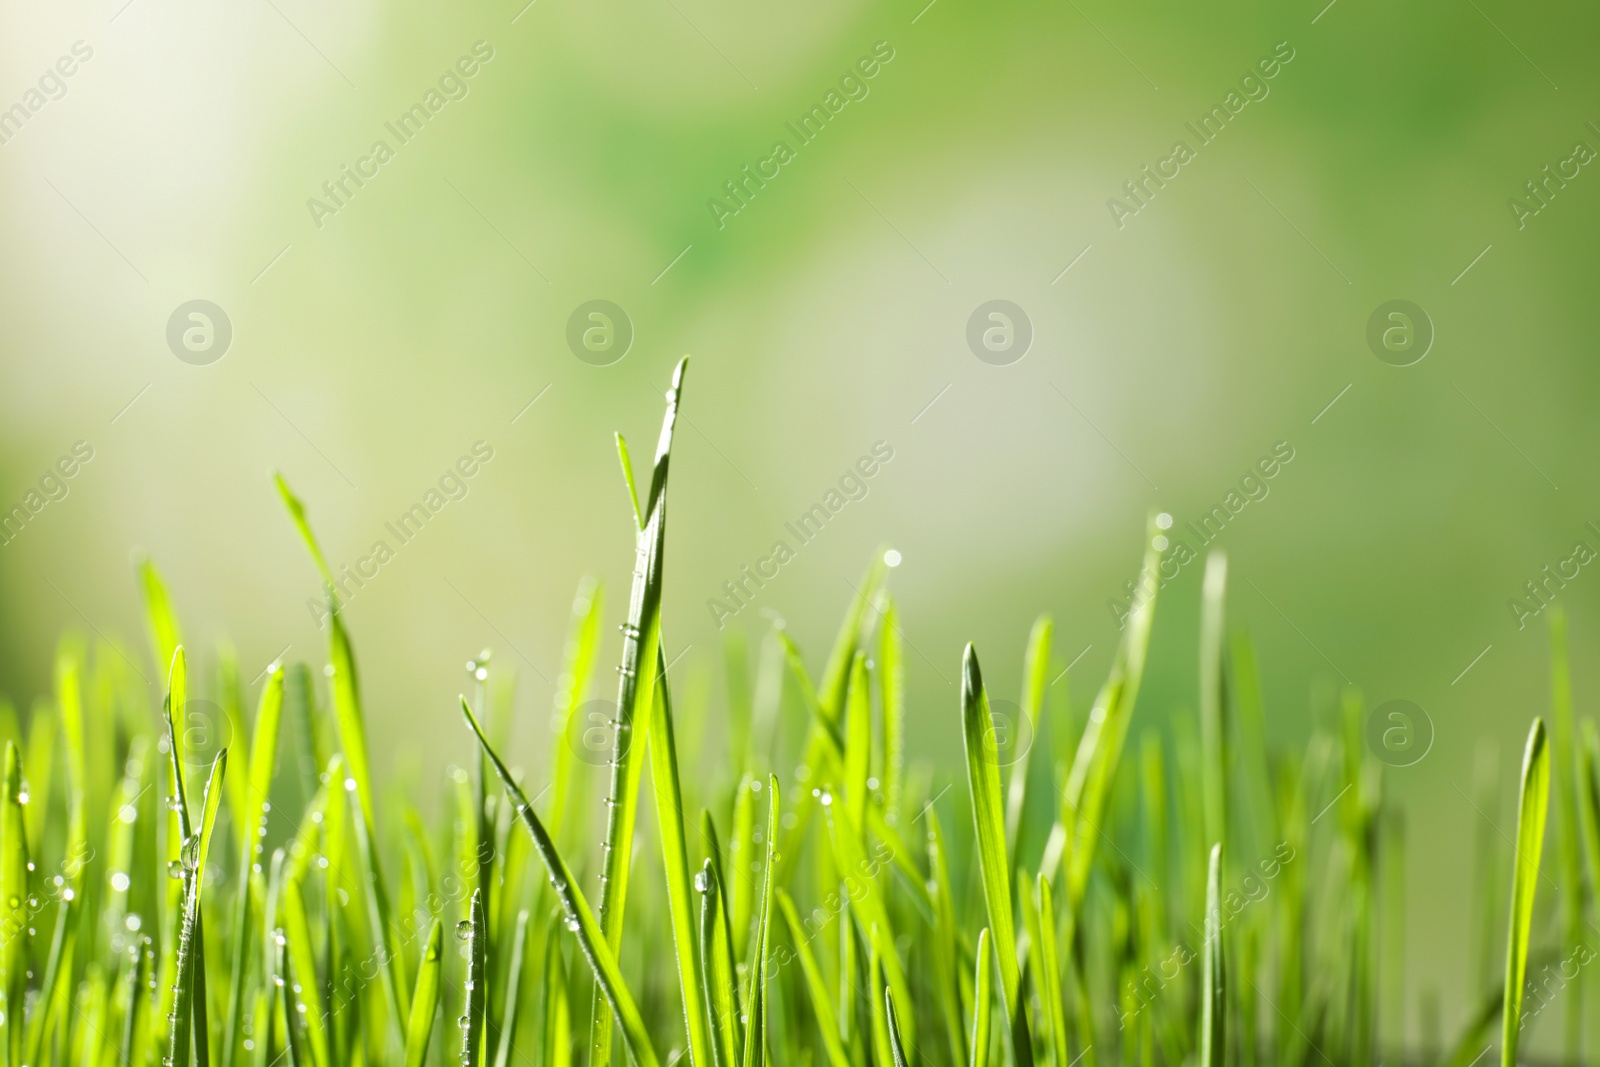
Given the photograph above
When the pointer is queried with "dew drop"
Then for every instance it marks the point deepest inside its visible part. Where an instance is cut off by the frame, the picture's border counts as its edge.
(175, 869)
(573, 924)
(464, 930)
(701, 882)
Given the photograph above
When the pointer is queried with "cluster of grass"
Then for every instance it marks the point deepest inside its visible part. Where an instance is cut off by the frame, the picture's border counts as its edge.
(1203, 900)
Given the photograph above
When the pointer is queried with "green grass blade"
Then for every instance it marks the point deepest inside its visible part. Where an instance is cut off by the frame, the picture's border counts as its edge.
(14, 891)
(721, 966)
(506, 1041)
(877, 997)
(675, 862)
(755, 1034)
(577, 662)
(165, 636)
(1035, 666)
(476, 930)
(982, 1001)
(892, 688)
(1532, 807)
(1213, 699)
(635, 695)
(188, 966)
(859, 874)
(816, 984)
(263, 766)
(858, 744)
(307, 997)
(1569, 840)
(1213, 1040)
(1048, 972)
(1589, 797)
(988, 814)
(896, 1045)
(1094, 765)
(425, 998)
(1474, 1040)
(134, 1022)
(346, 687)
(580, 920)
(947, 939)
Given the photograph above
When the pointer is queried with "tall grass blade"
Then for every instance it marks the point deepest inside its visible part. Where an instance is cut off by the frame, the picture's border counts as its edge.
(1213, 1041)
(346, 687)
(425, 998)
(251, 819)
(1094, 765)
(635, 696)
(475, 932)
(1213, 700)
(577, 662)
(506, 1040)
(1569, 839)
(982, 1000)
(675, 861)
(14, 892)
(896, 1043)
(816, 984)
(988, 813)
(892, 687)
(755, 1034)
(1532, 807)
(579, 919)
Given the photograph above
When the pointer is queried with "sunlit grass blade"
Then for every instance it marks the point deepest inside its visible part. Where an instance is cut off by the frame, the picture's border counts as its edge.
(635, 697)
(1047, 972)
(946, 939)
(307, 999)
(1213, 700)
(988, 814)
(982, 1001)
(897, 1046)
(14, 892)
(876, 990)
(505, 1041)
(161, 620)
(425, 998)
(477, 986)
(1564, 781)
(1213, 1040)
(866, 897)
(1035, 666)
(346, 687)
(816, 984)
(675, 862)
(755, 1034)
(1094, 765)
(858, 744)
(135, 1022)
(577, 662)
(579, 919)
(1589, 797)
(719, 967)
(1532, 807)
(263, 766)
(189, 964)
(891, 674)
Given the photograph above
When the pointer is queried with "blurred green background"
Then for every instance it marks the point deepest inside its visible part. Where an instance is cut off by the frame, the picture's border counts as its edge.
(1169, 354)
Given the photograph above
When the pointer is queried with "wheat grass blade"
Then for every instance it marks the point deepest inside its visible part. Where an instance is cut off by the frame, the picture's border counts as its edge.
(425, 998)
(1532, 807)
(982, 1000)
(988, 814)
(816, 984)
(579, 919)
